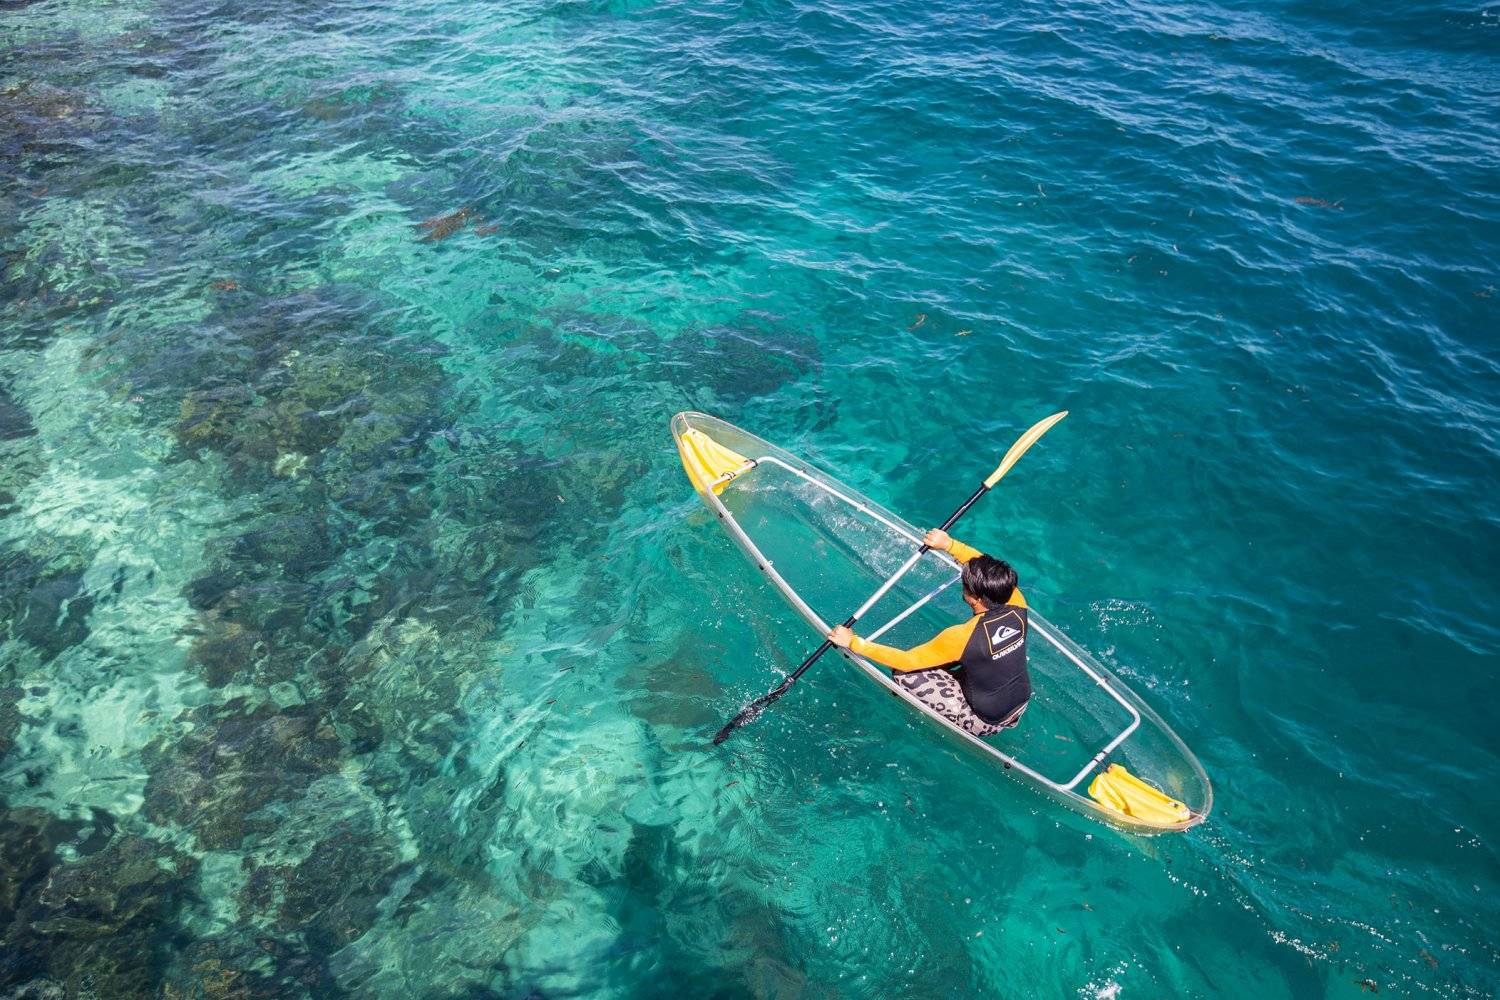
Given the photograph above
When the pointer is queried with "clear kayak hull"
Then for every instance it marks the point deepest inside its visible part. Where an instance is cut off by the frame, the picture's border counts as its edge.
(826, 548)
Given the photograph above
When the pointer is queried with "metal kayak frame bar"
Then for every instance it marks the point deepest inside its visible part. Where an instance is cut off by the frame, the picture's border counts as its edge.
(877, 672)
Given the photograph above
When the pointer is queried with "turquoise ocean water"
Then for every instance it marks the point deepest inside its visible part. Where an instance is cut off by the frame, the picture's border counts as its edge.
(360, 636)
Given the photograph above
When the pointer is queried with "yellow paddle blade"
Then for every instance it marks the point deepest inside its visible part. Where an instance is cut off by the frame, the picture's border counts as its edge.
(1117, 789)
(1022, 443)
(706, 460)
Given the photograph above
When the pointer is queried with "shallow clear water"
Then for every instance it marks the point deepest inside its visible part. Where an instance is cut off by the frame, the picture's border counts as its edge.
(362, 636)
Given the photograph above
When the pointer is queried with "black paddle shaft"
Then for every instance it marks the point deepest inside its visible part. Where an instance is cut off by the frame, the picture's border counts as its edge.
(750, 712)
(849, 622)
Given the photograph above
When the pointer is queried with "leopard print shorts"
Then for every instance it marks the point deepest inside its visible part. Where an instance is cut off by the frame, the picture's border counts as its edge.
(938, 690)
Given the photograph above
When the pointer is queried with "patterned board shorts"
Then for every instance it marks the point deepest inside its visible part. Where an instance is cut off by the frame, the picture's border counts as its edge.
(938, 689)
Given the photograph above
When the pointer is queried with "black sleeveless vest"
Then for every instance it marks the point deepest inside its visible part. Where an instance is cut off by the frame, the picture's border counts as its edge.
(994, 677)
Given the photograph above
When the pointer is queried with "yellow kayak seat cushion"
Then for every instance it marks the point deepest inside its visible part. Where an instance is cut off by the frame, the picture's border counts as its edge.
(1117, 789)
(705, 460)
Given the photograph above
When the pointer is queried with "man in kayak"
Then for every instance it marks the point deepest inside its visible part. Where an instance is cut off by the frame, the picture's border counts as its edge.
(973, 674)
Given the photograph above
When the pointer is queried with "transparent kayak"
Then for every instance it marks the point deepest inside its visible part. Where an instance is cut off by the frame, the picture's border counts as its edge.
(1086, 739)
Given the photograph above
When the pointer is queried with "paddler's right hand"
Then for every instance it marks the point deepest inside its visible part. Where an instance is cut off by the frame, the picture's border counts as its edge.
(841, 637)
(938, 539)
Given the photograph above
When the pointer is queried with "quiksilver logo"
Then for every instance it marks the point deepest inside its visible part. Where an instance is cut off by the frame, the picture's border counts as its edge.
(1003, 634)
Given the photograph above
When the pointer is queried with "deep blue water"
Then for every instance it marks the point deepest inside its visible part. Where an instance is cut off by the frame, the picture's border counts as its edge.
(360, 635)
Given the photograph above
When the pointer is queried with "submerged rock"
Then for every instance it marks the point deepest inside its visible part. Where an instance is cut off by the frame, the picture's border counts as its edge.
(238, 967)
(322, 879)
(29, 839)
(729, 363)
(20, 459)
(743, 361)
(405, 682)
(214, 779)
(295, 545)
(33, 113)
(56, 613)
(679, 695)
(15, 422)
(43, 603)
(99, 925)
(210, 418)
(10, 717)
(224, 649)
(332, 897)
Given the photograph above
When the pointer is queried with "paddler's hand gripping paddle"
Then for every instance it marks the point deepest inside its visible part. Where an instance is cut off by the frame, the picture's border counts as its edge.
(752, 711)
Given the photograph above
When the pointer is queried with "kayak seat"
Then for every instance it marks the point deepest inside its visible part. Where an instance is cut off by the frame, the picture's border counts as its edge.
(938, 690)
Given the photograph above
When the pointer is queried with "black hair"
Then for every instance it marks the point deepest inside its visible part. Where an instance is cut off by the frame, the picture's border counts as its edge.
(991, 580)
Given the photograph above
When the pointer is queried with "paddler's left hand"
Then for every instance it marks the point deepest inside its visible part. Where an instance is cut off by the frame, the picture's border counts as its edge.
(841, 637)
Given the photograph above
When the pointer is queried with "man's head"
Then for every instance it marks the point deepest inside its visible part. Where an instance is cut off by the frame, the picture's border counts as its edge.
(990, 581)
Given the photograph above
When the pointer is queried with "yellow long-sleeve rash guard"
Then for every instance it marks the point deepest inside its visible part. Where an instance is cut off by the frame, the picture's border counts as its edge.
(942, 649)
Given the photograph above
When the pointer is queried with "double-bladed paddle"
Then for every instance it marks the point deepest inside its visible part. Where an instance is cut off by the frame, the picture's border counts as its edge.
(752, 711)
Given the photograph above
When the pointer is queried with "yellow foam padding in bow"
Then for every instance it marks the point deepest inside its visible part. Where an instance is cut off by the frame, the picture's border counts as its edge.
(705, 460)
(1117, 789)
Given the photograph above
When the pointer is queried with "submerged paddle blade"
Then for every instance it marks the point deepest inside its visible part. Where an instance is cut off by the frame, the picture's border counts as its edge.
(747, 714)
(709, 464)
(752, 711)
(1019, 448)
